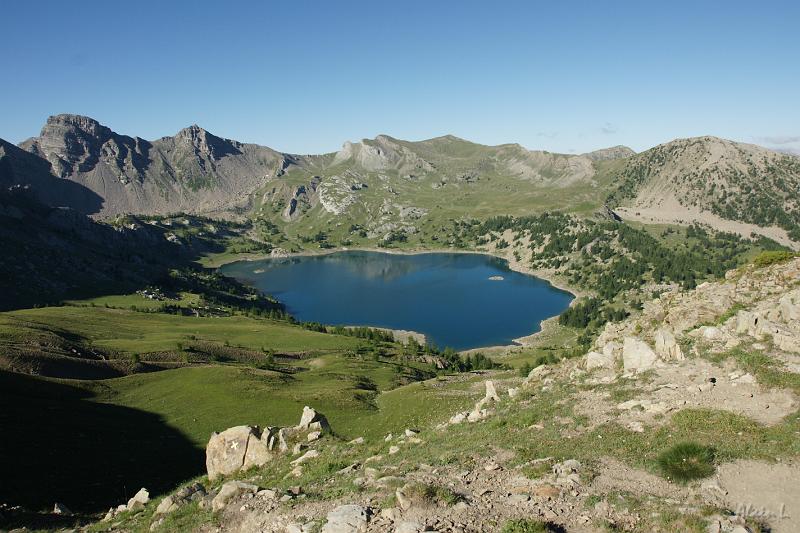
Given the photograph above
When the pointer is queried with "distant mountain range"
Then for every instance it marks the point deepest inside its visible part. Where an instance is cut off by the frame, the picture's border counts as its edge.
(386, 184)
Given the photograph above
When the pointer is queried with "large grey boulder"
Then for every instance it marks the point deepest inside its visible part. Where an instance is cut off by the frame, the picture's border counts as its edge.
(637, 356)
(236, 448)
(347, 519)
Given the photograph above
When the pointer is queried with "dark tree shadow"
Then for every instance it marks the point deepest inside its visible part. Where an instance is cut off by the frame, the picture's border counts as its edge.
(58, 445)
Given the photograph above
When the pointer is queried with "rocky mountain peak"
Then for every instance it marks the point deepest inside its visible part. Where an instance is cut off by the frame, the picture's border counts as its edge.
(71, 143)
(201, 142)
(613, 152)
(59, 124)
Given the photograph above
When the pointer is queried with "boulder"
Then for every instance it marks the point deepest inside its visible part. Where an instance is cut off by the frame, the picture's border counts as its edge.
(458, 418)
(537, 373)
(313, 420)
(347, 519)
(789, 306)
(167, 505)
(230, 491)
(637, 355)
(409, 527)
(746, 322)
(139, 500)
(491, 393)
(667, 347)
(236, 448)
(60, 508)
(599, 360)
(310, 454)
(612, 350)
(402, 500)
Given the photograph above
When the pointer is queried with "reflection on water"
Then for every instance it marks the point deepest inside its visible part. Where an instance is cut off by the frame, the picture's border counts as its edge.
(449, 297)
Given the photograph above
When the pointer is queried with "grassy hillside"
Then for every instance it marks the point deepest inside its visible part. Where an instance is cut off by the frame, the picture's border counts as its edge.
(187, 377)
(130, 332)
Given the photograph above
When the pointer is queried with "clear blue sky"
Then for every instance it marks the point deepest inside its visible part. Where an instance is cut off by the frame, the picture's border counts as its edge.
(303, 76)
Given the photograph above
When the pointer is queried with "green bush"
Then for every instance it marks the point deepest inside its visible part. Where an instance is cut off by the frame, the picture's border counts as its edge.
(526, 525)
(771, 257)
(687, 461)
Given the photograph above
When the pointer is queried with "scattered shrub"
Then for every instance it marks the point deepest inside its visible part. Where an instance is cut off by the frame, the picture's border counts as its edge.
(771, 257)
(526, 525)
(687, 461)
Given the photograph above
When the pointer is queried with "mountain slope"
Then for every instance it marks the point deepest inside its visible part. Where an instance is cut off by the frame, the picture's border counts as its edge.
(193, 171)
(707, 178)
(388, 187)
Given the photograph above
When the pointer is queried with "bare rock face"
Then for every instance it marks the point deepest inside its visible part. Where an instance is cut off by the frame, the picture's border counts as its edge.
(235, 449)
(637, 356)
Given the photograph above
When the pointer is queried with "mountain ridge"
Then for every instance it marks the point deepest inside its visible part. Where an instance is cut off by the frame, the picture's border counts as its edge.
(699, 179)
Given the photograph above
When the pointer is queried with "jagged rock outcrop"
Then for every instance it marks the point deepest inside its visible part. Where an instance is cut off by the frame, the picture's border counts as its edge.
(766, 304)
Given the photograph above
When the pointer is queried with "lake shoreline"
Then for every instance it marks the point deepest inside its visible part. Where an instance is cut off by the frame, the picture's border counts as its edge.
(513, 264)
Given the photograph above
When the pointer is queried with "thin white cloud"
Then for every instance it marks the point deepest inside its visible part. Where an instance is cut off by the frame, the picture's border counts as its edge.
(608, 129)
(779, 139)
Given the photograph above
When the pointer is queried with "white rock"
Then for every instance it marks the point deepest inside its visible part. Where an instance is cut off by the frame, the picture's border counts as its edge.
(409, 527)
(310, 454)
(60, 508)
(599, 360)
(347, 519)
(311, 419)
(667, 347)
(637, 355)
(229, 491)
(458, 418)
(139, 500)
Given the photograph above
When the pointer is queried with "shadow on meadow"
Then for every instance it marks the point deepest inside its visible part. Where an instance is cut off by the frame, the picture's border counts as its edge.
(60, 446)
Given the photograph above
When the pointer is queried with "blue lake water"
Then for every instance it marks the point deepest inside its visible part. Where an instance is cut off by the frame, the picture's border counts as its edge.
(448, 297)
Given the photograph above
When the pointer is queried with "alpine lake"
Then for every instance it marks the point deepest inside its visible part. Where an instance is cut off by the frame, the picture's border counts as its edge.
(457, 300)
